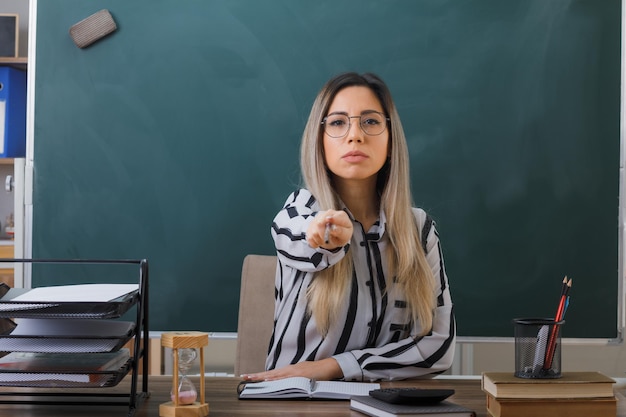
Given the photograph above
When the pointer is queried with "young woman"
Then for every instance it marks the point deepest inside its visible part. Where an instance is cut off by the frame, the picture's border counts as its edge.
(361, 289)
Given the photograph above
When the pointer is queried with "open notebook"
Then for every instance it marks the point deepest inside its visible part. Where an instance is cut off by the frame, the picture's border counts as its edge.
(301, 387)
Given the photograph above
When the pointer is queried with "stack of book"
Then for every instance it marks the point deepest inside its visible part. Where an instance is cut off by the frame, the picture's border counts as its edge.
(575, 394)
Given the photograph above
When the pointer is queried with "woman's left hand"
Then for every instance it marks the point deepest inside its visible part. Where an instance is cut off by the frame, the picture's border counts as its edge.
(322, 370)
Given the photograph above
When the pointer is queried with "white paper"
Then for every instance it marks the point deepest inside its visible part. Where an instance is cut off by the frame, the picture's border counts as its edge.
(90, 293)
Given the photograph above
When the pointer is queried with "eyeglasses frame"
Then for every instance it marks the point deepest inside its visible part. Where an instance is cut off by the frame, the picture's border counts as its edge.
(323, 123)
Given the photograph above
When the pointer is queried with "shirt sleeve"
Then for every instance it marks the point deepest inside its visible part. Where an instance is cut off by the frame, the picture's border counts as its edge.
(289, 233)
(413, 356)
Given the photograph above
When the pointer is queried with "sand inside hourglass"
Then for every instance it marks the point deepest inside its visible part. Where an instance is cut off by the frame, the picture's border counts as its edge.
(186, 397)
(187, 393)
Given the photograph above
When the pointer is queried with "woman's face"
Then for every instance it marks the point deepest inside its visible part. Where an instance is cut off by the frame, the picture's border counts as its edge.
(357, 155)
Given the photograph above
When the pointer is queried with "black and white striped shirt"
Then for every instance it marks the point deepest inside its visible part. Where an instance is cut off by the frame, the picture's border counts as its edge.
(372, 339)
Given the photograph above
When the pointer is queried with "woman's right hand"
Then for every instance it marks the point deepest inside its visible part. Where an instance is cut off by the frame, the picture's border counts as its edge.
(329, 229)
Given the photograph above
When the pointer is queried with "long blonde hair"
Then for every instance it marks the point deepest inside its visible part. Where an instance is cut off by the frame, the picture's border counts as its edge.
(406, 257)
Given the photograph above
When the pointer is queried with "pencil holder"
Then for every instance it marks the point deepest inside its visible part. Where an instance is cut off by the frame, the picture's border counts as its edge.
(537, 348)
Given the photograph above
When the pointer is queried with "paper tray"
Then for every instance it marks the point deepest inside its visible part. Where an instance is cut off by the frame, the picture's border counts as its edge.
(91, 310)
(74, 379)
(67, 336)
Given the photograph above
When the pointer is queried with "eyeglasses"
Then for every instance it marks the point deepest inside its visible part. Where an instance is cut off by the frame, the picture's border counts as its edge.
(337, 125)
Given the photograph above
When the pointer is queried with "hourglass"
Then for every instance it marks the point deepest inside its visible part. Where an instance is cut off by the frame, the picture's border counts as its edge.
(184, 394)
(187, 393)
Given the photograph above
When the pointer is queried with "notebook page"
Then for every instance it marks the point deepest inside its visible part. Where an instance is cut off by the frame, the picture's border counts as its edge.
(343, 389)
(288, 387)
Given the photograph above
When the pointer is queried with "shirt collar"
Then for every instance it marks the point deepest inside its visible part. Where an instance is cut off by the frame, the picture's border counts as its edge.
(377, 231)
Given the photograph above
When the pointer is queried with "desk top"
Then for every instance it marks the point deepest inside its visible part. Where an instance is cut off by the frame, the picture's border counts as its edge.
(222, 399)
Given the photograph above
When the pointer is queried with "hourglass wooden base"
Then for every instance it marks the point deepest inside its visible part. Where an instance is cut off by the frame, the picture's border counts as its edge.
(191, 410)
(185, 340)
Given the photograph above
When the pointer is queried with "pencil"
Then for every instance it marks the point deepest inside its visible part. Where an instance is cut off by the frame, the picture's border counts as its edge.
(551, 347)
(564, 285)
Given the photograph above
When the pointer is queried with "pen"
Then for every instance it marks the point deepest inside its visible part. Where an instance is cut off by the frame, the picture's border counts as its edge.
(327, 231)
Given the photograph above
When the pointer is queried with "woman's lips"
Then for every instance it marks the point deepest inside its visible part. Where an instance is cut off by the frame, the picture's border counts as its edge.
(354, 156)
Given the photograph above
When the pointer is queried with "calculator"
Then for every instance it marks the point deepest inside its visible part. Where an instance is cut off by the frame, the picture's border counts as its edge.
(411, 395)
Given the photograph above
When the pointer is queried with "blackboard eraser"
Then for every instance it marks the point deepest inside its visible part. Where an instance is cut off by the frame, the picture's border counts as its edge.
(92, 28)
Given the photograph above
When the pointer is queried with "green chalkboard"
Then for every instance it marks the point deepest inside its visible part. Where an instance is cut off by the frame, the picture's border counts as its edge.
(176, 139)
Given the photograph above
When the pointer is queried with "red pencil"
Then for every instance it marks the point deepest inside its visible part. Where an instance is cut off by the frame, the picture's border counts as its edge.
(551, 347)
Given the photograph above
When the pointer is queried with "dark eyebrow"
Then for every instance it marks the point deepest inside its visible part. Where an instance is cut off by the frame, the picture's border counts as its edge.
(338, 112)
(362, 113)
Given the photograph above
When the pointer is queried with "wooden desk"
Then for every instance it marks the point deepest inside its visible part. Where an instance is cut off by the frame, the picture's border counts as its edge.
(222, 398)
